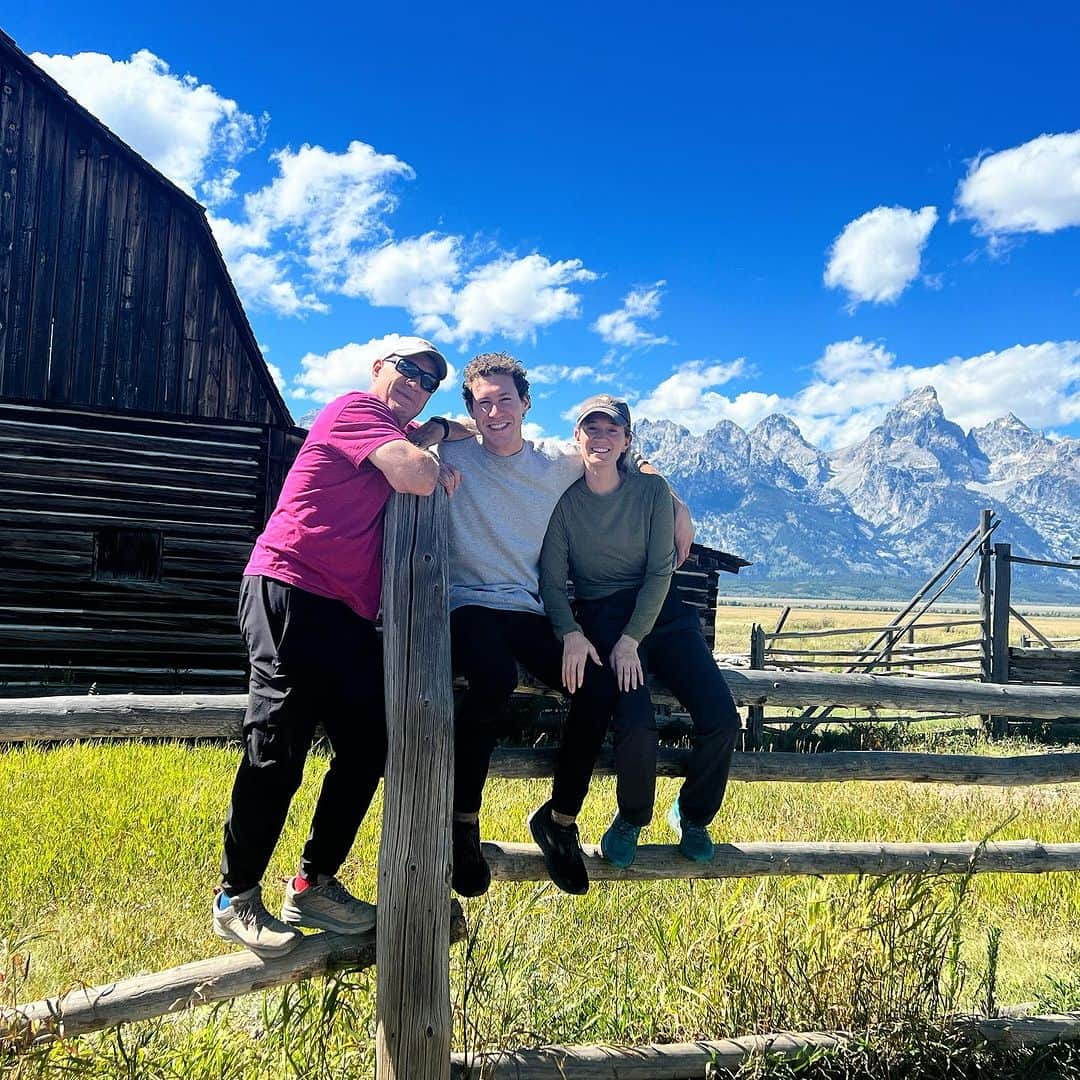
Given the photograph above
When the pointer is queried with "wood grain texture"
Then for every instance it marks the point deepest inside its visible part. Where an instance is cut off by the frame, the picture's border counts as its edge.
(413, 1017)
(658, 1061)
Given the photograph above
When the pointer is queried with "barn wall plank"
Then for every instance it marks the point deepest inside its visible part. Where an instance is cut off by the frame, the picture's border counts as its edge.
(72, 225)
(11, 95)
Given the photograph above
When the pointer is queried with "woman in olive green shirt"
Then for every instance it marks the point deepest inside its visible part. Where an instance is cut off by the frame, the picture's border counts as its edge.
(611, 534)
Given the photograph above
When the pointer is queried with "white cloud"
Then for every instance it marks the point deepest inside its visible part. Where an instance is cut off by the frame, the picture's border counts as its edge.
(856, 382)
(854, 357)
(1034, 187)
(415, 273)
(328, 203)
(326, 376)
(621, 327)
(263, 281)
(320, 225)
(184, 128)
(277, 376)
(878, 255)
(689, 397)
(510, 296)
(559, 373)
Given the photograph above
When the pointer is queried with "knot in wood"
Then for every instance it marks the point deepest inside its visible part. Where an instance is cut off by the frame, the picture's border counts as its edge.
(428, 557)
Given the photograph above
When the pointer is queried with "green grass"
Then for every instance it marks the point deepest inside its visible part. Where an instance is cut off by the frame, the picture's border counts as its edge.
(110, 853)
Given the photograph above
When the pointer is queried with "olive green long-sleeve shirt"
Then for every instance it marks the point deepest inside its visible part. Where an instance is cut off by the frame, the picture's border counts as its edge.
(605, 543)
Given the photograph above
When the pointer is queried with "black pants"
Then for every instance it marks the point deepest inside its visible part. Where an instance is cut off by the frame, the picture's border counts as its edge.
(487, 645)
(312, 660)
(677, 654)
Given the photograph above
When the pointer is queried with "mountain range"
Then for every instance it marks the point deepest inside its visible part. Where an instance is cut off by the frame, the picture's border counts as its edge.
(877, 518)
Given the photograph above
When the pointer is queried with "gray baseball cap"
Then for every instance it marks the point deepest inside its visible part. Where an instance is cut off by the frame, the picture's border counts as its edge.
(614, 407)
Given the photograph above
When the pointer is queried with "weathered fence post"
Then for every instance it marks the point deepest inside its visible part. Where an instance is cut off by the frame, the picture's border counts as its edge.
(413, 1017)
(999, 652)
(986, 604)
(755, 714)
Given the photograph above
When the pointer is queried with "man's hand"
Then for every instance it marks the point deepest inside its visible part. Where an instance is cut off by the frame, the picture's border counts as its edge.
(577, 649)
(449, 477)
(684, 531)
(627, 664)
(426, 435)
(430, 433)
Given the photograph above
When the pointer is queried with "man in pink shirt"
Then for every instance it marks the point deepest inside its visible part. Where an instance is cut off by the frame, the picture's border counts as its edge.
(308, 604)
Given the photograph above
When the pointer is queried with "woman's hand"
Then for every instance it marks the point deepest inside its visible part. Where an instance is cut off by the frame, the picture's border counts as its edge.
(684, 532)
(449, 477)
(627, 664)
(577, 649)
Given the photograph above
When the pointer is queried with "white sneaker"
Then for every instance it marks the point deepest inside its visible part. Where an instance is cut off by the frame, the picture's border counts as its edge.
(329, 906)
(246, 921)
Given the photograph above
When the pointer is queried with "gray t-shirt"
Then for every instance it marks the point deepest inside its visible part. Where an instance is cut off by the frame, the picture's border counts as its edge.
(497, 521)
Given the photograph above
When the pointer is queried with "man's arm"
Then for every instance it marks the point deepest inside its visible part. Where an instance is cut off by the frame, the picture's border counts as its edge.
(431, 432)
(684, 523)
(406, 467)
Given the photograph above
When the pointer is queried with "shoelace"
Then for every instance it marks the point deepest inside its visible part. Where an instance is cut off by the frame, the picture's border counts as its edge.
(337, 892)
(250, 911)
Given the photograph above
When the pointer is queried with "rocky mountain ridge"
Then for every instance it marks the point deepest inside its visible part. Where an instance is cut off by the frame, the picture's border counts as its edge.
(872, 518)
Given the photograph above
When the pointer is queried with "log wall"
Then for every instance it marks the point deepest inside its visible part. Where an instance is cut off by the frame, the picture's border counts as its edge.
(68, 477)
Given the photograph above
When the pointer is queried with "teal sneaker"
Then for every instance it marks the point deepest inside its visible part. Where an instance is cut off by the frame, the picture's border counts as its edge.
(619, 843)
(695, 843)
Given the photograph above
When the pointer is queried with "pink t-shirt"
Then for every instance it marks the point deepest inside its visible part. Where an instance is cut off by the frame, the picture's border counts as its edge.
(325, 534)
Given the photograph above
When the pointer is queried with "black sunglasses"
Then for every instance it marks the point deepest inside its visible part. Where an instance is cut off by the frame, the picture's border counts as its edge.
(428, 383)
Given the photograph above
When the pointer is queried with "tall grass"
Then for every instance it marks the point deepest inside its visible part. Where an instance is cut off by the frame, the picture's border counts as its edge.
(110, 853)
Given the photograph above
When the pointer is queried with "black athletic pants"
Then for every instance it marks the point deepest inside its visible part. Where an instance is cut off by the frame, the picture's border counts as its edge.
(677, 654)
(313, 660)
(487, 644)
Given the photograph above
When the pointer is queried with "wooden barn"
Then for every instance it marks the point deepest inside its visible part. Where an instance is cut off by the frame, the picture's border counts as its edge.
(142, 438)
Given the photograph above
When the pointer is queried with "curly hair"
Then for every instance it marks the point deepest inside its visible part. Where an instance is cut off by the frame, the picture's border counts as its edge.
(493, 363)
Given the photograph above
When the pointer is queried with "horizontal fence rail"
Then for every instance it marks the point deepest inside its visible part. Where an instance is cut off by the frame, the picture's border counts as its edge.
(712, 1057)
(170, 716)
(835, 766)
(201, 982)
(658, 862)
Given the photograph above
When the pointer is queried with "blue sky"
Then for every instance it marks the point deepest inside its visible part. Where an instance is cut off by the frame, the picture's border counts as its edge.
(717, 213)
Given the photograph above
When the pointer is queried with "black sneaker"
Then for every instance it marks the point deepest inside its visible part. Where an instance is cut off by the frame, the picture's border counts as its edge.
(472, 875)
(562, 851)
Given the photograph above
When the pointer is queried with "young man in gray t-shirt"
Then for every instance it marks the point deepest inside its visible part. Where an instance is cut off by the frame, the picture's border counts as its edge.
(498, 516)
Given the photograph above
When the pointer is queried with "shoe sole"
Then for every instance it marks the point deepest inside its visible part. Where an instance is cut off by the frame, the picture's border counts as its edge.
(547, 861)
(263, 953)
(472, 892)
(697, 858)
(296, 917)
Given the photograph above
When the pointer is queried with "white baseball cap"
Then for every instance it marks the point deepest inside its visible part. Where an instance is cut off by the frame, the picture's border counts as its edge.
(417, 346)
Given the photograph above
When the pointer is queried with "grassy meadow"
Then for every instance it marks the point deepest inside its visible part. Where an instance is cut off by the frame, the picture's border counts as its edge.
(110, 854)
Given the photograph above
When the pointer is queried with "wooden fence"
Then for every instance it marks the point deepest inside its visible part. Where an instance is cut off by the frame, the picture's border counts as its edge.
(980, 649)
(415, 920)
(1038, 659)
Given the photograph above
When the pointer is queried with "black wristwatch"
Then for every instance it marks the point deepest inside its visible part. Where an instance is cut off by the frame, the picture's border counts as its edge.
(445, 425)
